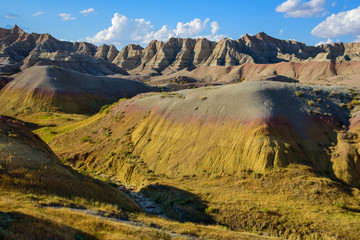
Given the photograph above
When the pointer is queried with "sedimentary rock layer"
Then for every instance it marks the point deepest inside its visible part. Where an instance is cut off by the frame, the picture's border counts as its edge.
(42, 88)
(25, 50)
(220, 130)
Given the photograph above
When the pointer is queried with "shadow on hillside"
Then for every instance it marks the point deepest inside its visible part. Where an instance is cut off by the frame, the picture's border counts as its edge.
(178, 204)
(15, 225)
(31, 126)
(281, 78)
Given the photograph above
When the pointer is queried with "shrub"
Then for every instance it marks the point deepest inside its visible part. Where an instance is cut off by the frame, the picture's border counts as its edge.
(65, 159)
(316, 91)
(355, 102)
(332, 94)
(103, 108)
(299, 93)
(340, 205)
(211, 210)
(108, 132)
(87, 139)
(80, 164)
(311, 103)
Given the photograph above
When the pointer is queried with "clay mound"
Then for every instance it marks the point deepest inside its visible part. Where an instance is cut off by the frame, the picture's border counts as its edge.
(321, 73)
(27, 164)
(254, 125)
(20, 148)
(43, 88)
(73, 61)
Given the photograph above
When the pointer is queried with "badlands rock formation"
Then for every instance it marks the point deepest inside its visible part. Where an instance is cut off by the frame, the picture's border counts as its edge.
(22, 50)
(320, 73)
(44, 88)
(221, 130)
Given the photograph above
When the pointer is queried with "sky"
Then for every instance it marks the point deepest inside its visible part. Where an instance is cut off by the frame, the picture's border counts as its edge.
(121, 22)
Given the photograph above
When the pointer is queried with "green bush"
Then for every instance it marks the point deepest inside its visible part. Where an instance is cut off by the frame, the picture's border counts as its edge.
(105, 108)
(299, 93)
(211, 210)
(87, 139)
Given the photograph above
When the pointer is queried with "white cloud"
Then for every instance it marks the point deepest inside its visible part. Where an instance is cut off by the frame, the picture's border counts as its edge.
(329, 41)
(66, 16)
(11, 15)
(37, 14)
(333, 4)
(343, 23)
(87, 11)
(281, 32)
(124, 30)
(214, 27)
(299, 8)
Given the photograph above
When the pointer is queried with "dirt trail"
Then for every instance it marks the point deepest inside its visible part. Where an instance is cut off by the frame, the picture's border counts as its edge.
(146, 204)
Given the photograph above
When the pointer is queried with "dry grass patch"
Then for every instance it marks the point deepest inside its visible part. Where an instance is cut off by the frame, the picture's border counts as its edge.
(293, 202)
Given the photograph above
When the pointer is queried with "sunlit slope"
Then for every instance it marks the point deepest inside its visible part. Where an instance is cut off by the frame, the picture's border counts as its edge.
(218, 130)
(44, 88)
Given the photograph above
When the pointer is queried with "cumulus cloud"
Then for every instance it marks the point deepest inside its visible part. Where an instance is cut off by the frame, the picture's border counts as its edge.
(214, 27)
(37, 14)
(343, 23)
(329, 41)
(66, 16)
(124, 30)
(11, 15)
(86, 12)
(299, 8)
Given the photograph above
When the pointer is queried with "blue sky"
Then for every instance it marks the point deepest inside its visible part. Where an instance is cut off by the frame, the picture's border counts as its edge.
(123, 21)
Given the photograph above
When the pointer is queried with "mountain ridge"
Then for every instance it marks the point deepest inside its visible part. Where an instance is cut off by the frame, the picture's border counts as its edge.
(24, 50)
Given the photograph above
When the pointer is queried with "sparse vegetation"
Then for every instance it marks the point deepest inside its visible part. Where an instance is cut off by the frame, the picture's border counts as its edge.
(105, 109)
(332, 94)
(316, 91)
(311, 103)
(108, 132)
(211, 210)
(172, 95)
(87, 138)
(299, 93)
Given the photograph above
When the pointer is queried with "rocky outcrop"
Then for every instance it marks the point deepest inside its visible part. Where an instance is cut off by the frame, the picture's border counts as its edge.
(177, 54)
(22, 50)
(129, 57)
(17, 46)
